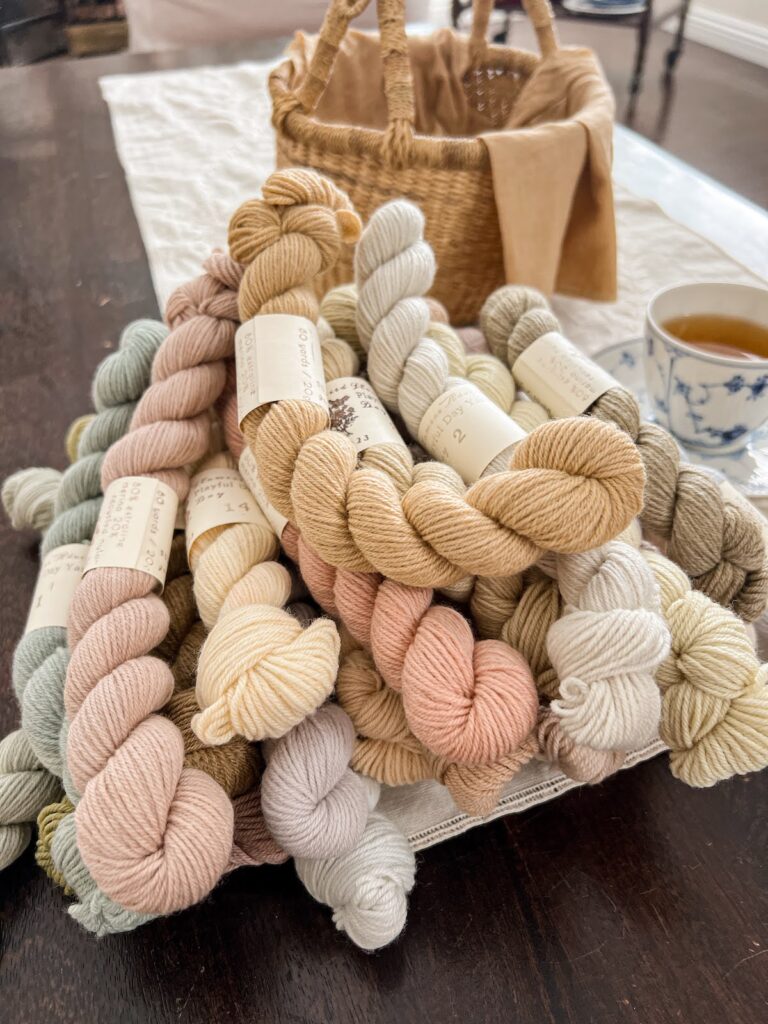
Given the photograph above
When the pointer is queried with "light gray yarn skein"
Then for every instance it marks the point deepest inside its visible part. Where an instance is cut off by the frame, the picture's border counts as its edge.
(41, 657)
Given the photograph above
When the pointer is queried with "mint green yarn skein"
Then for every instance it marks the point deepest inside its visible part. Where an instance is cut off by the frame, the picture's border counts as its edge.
(41, 658)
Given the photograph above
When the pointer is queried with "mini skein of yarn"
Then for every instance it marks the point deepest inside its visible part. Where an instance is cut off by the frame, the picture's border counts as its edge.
(28, 497)
(127, 761)
(467, 701)
(714, 714)
(368, 887)
(607, 647)
(719, 543)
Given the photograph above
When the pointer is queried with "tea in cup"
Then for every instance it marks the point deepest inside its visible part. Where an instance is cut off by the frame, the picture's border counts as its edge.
(706, 363)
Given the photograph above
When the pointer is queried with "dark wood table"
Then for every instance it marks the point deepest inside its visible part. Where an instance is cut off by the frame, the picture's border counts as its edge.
(640, 900)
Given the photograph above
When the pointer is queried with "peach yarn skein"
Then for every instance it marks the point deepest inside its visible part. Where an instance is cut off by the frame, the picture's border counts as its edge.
(467, 701)
(719, 543)
(155, 835)
(438, 532)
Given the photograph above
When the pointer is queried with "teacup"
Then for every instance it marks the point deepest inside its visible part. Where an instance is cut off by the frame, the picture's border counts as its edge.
(709, 402)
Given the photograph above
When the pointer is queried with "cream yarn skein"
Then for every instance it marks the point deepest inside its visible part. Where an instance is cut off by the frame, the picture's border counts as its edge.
(607, 647)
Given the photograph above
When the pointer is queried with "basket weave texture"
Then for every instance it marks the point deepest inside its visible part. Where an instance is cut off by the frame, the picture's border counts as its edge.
(387, 116)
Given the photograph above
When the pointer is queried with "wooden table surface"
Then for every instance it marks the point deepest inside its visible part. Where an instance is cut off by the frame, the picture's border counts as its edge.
(640, 900)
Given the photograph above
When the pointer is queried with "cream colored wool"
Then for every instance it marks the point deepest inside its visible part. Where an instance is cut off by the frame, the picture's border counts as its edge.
(28, 497)
(607, 647)
(715, 705)
(260, 672)
(485, 371)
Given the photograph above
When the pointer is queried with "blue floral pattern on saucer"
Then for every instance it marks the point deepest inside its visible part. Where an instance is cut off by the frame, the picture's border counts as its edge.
(746, 469)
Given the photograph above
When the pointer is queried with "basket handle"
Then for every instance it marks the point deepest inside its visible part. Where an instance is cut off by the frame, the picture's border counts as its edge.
(398, 80)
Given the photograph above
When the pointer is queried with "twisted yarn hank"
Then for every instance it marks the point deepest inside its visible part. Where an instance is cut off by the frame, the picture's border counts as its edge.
(718, 543)
(436, 532)
(155, 835)
(28, 496)
(313, 803)
(368, 887)
(715, 705)
(607, 648)
(41, 656)
(25, 788)
(389, 752)
(467, 701)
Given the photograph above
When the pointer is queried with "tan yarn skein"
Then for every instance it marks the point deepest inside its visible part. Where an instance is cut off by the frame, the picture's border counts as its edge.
(718, 543)
(573, 484)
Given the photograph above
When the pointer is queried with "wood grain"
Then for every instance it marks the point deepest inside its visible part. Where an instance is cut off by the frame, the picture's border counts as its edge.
(637, 901)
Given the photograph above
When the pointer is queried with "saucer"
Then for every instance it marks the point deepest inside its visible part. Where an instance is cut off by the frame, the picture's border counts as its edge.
(746, 470)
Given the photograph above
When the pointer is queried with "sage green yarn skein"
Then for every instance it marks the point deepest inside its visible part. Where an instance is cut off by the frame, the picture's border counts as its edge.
(41, 657)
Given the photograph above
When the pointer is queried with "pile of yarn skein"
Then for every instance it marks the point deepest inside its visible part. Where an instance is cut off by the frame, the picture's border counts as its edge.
(368, 605)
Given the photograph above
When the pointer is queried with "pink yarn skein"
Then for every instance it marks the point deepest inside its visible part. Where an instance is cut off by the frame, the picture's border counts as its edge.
(155, 835)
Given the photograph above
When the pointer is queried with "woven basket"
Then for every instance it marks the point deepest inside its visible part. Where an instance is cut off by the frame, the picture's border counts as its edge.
(448, 177)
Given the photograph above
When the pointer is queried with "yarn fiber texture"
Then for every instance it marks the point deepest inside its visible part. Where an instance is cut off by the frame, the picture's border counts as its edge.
(314, 805)
(715, 706)
(25, 788)
(41, 656)
(235, 766)
(154, 834)
(368, 887)
(573, 485)
(607, 648)
(467, 701)
(388, 751)
(28, 497)
(719, 543)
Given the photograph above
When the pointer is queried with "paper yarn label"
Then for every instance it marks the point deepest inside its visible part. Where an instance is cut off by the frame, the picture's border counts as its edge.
(465, 429)
(60, 573)
(357, 412)
(250, 473)
(135, 527)
(278, 358)
(218, 497)
(560, 377)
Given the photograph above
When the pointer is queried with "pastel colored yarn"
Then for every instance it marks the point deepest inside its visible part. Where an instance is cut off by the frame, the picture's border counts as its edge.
(718, 543)
(607, 647)
(313, 804)
(574, 484)
(389, 752)
(235, 766)
(41, 656)
(520, 610)
(260, 671)
(75, 435)
(715, 707)
(155, 834)
(467, 701)
(449, 359)
(580, 763)
(25, 788)
(367, 887)
(28, 497)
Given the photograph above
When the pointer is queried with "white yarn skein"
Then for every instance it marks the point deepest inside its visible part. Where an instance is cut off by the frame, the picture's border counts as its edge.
(410, 362)
(367, 888)
(607, 647)
(28, 497)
